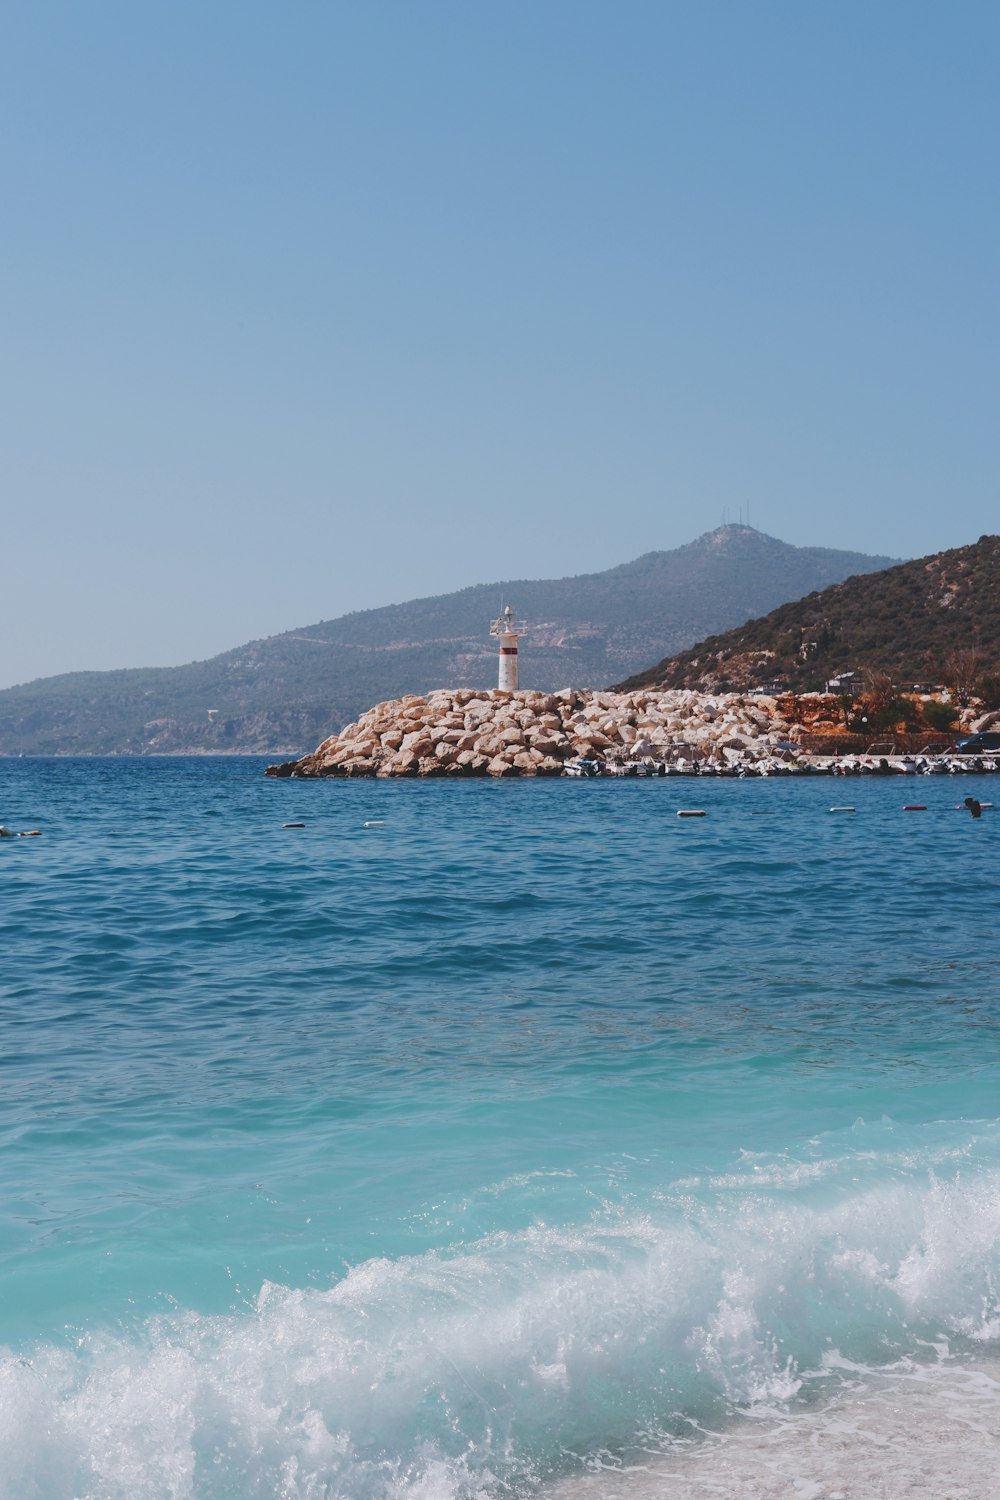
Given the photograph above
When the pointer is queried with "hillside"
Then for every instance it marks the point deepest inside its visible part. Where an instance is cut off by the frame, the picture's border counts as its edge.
(284, 694)
(935, 619)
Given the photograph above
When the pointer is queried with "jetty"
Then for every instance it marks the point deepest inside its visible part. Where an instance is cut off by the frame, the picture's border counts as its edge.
(497, 733)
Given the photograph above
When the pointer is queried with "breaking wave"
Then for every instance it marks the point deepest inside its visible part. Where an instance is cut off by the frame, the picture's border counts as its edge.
(499, 1366)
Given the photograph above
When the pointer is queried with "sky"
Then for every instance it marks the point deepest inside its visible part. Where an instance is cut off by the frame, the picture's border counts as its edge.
(314, 306)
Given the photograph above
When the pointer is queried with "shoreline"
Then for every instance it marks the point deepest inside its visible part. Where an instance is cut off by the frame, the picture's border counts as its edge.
(911, 1429)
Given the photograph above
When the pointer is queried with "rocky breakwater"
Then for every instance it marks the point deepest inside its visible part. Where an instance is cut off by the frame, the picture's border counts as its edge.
(468, 733)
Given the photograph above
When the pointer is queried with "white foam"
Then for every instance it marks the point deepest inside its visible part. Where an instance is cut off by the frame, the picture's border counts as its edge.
(455, 1374)
(911, 1432)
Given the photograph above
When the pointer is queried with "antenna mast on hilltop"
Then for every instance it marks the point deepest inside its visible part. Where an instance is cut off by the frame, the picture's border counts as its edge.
(507, 629)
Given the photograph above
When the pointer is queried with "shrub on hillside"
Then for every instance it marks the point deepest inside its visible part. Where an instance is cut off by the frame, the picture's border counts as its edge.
(938, 715)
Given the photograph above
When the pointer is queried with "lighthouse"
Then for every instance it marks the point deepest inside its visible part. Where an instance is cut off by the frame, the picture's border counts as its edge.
(507, 629)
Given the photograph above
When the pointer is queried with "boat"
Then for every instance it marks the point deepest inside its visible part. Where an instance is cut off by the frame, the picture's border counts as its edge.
(581, 766)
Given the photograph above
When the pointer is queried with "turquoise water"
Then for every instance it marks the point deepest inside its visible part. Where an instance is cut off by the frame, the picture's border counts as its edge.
(531, 1133)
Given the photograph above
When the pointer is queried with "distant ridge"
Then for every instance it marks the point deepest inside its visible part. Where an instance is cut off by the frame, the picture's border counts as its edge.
(935, 618)
(282, 695)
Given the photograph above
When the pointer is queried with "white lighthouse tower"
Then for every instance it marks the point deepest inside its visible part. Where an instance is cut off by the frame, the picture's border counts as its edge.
(507, 629)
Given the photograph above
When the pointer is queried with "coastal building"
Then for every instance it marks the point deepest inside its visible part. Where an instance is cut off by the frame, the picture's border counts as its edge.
(844, 683)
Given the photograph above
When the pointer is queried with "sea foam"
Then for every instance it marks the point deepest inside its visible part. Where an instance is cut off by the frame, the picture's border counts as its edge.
(525, 1357)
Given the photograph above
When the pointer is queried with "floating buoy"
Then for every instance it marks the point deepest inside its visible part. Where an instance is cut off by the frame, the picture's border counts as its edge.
(693, 812)
(293, 825)
(375, 823)
(843, 809)
(914, 806)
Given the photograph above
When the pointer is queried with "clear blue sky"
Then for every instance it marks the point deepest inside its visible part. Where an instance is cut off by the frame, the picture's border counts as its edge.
(309, 307)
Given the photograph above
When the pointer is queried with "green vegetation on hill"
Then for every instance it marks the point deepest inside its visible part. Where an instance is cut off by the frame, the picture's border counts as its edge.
(285, 694)
(935, 620)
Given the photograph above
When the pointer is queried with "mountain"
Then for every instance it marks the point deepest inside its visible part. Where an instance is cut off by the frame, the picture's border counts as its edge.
(284, 694)
(935, 619)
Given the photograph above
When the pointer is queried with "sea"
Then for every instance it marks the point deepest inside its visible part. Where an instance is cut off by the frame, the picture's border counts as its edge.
(513, 1140)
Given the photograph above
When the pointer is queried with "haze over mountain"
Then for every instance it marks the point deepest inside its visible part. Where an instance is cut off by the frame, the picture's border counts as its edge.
(283, 694)
(934, 619)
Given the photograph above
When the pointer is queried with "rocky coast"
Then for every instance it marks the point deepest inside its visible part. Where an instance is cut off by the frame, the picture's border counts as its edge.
(493, 733)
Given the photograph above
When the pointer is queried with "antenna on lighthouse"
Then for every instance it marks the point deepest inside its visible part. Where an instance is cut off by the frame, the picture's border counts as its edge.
(507, 629)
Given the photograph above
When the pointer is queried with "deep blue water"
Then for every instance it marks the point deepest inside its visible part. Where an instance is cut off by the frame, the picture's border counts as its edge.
(466, 1154)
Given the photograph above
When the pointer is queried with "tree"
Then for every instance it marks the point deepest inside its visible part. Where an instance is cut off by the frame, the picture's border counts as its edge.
(938, 715)
(963, 668)
(845, 703)
(883, 708)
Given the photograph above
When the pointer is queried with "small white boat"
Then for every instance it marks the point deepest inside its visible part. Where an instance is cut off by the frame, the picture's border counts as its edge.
(581, 766)
(636, 768)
